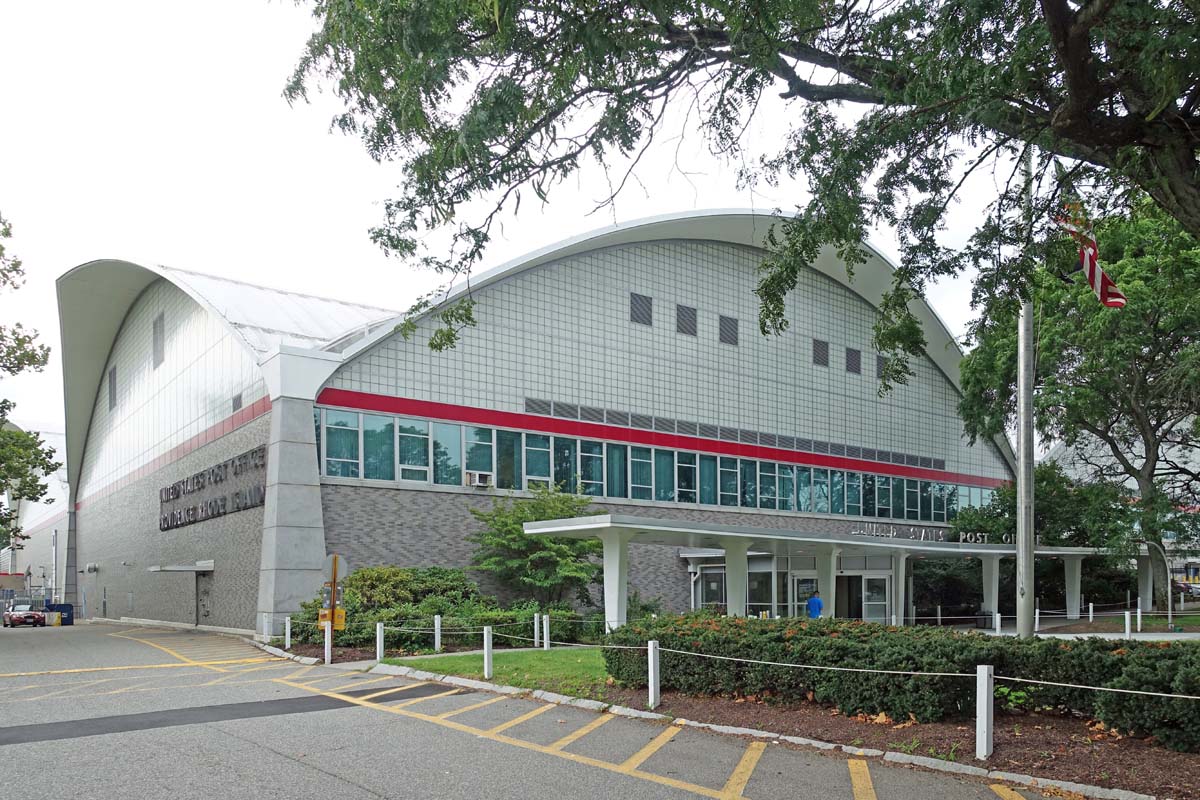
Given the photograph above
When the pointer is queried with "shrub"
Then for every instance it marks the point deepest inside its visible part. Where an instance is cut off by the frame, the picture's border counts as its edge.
(1148, 666)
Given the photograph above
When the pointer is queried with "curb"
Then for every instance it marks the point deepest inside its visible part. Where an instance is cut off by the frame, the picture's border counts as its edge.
(275, 651)
(938, 765)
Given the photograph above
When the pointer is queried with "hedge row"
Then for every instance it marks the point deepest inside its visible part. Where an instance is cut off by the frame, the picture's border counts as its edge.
(1168, 667)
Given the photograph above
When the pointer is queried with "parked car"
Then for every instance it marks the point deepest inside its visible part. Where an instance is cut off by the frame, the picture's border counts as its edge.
(24, 614)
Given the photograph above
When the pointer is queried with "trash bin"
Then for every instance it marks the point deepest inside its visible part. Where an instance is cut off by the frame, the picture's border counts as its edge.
(54, 618)
(67, 610)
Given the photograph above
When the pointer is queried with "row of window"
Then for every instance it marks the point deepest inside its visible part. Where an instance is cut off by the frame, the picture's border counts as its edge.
(386, 448)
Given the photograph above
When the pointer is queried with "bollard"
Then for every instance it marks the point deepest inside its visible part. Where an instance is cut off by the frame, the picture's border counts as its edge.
(997, 623)
(894, 620)
(545, 631)
(379, 641)
(1127, 603)
(328, 641)
(1037, 620)
(653, 673)
(1128, 633)
(487, 652)
(437, 633)
(939, 616)
(984, 692)
(1091, 613)
(537, 629)
(1169, 625)
(267, 625)
(1139, 618)
(287, 632)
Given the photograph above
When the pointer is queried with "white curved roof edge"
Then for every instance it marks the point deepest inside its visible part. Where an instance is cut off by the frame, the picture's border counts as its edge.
(746, 227)
(93, 301)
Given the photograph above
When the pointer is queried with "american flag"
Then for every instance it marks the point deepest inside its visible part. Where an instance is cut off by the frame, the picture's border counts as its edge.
(1075, 222)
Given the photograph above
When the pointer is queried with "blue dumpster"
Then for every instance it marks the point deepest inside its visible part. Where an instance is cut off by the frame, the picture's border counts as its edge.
(66, 609)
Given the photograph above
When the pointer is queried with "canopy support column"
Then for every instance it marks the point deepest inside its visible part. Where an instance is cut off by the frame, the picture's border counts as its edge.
(736, 569)
(991, 583)
(827, 561)
(899, 607)
(616, 577)
(1145, 578)
(1072, 574)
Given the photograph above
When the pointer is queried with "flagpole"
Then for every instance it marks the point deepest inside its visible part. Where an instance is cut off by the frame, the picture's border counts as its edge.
(1025, 377)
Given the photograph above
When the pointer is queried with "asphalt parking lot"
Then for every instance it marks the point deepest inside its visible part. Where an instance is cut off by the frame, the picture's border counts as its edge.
(106, 710)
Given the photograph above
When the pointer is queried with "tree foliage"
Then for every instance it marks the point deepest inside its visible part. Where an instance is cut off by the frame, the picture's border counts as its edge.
(889, 106)
(25, 460)
(547, 568)
(1121, 387)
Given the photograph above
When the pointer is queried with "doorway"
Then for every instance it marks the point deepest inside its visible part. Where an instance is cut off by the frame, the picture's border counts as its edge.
(803, 587)
(204, 585)
(863, 597)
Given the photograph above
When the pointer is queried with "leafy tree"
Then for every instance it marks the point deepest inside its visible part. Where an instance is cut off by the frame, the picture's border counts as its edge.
(550, 569)
(25, 460)
(1120, 386)
(889, 107)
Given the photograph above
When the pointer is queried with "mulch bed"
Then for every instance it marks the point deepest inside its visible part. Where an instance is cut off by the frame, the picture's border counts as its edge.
(338, 655)
(1043, 745)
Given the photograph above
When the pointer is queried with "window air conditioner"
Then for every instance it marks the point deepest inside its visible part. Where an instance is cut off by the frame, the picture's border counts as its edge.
(479, 479)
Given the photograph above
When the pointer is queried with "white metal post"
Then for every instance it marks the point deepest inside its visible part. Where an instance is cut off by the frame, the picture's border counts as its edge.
(287, 632)
(266, 618)
(939, 616)
(997, 623)
(1037, 620)
(1091, 612)
(894, 620)
(537, 629)
(1127, 602)
(437, 633)
(1128, 626)
(379, 641)
(984, 692)
(487, 652)
(1139, 619)
(545, 631)
(328, 641)
(653, 673)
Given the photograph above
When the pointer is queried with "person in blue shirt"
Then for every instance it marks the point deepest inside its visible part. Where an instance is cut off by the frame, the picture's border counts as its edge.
(815, 606)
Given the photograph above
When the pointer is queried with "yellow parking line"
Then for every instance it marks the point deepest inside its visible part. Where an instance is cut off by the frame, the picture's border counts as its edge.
(356, 684)
(167, 650)
(121, 668)
(465, 709)
(742, 772)
(394, 689)
(635, 760)
(503, 726)
(567, 755)
(302, 671)
(1005, 792)
(860, 780)
(575, 736)
(416, 700)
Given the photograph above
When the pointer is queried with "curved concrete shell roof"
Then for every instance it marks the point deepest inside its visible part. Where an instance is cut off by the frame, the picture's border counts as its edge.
(94, 298)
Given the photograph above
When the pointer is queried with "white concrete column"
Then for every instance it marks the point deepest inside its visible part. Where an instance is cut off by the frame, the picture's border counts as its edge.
(1072, 574)
(616, 577)
(899, 585)
(1145, 576)
(736, 579)
(827, 560)
(991, 583)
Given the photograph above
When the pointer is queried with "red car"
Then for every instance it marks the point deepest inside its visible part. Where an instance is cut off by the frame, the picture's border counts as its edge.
(24, 615)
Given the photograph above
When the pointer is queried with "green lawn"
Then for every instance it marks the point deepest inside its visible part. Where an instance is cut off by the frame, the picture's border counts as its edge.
(1187, 622)
(576, 671)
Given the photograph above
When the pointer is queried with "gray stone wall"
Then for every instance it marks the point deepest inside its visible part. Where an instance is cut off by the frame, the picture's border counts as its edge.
(120, 534)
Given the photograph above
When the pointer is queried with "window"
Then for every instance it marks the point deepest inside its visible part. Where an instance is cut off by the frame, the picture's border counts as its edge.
(758, 593)
(821, 491)
(837, 492)
(112, 388)
(664, 475)
(853, 361)
(749, 482)
(641, 474)
(414, 449)
(508, 460)
(712, 588)
(728, 330)
(951, 503)
(898, 497)
(447, 454)
(379, 447)
(708, 480)
(591, 468)
(820, 353)
(728, 481)
(641, 309)
(158, 337)
(854, 494)
(317, 434)
(236, 403)
(804, 489)
(566, 474)
(939, 502)
(880, 365)
(913, 493)
(926, 501)
(685, 477)
(976, 497)
(787, 488)
(985, 497)
(868, 495)
(883, 496)
(618, 469)
(479, 450)
(766, 485)
(341, 444)
(685, 320)
(537, 460)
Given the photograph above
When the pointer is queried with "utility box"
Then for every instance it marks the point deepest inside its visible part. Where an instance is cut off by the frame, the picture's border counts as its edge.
(65, 610)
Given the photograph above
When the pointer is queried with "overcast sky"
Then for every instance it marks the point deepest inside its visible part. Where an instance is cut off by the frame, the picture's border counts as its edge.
(157, 133)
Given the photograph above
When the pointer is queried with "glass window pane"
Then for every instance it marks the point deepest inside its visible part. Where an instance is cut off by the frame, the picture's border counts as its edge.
(379, 448)
(853, 494)
(664, 475)
(414, 451)
(537, 459)
(408, 474)
(821, 491)
(508, 460)
(447, 454)
(341, 419)
(341, 444)
(837, 492)
(591, 467)
(708, 480)
(951, 503)
(341, 469)
(479, 449)
(804, 489)
(641, 474)
(565, 471)
(985, 497)
(787, 488)
(939, 502)
(618, 478)
(913, 492)
(898, 498)
(729, 481)
(868, 494)
(413, 427)
(883, 496)
(317, 426)
(766, 485)
(926, 501)
(685, 477)
(749, 483)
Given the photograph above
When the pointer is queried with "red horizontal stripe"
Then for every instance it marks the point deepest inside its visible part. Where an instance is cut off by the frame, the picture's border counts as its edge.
(210, 434)
(403, 406)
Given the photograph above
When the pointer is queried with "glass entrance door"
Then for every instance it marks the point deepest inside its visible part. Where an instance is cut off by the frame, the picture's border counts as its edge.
(875, 599)
(803, 587)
